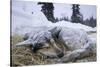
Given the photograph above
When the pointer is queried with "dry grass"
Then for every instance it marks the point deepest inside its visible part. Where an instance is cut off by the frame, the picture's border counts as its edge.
(24, 55)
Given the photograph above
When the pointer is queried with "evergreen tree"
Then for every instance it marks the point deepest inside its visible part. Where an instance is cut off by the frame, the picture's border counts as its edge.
(76, 15)
(47, 9)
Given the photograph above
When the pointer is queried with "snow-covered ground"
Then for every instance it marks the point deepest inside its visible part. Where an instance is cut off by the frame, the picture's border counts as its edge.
(23, 21)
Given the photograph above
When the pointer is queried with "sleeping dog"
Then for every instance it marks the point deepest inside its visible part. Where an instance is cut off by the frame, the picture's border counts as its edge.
(78, 43)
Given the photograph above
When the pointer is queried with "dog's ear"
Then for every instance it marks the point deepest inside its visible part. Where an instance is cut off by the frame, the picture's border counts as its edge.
(55, 31)
(52, 30)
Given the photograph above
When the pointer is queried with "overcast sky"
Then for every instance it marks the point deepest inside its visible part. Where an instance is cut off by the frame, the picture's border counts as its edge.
(60, 10)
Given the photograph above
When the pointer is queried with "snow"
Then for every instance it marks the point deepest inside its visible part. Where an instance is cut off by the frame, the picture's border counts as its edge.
(23, 21)
(74, 26)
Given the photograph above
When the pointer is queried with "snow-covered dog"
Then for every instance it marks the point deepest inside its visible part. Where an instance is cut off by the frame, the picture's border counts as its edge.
(77, 42)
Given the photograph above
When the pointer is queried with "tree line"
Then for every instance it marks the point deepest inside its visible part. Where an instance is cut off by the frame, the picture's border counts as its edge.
(76, 17)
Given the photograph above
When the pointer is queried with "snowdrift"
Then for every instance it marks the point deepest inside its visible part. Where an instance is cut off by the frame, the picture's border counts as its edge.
(74, 26)
(23, 22)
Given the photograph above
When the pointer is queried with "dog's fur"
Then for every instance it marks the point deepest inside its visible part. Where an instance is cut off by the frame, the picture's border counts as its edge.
(76, 41)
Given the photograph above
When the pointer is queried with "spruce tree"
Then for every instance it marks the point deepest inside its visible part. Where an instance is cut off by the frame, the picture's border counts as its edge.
(76, 15)
(47, 9)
